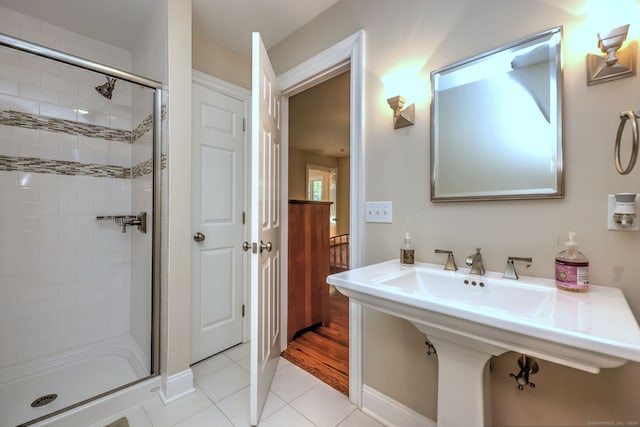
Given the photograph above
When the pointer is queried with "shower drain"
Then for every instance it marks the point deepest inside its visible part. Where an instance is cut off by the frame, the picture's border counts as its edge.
(44, 400)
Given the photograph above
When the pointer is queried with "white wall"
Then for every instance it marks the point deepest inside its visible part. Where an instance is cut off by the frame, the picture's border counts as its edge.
(426, 35)
(215, 60)
(177, 297)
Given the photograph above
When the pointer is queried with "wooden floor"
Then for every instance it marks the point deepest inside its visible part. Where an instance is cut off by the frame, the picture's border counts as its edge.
(324, 351)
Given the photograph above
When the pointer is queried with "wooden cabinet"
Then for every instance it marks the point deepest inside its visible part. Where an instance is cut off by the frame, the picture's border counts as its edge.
(308, 265)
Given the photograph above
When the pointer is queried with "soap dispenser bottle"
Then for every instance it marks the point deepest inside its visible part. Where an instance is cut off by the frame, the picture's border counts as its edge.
(572, 268)
(406, 251)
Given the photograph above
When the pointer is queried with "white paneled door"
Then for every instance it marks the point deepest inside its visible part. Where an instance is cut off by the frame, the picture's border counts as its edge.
(265, 227)
(218, 152)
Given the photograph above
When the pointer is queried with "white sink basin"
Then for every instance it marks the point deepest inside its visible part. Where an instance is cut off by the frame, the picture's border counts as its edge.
(476, 293)
(470, 318)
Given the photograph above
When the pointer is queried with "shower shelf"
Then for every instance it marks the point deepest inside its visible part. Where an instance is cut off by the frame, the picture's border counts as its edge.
(139, 221)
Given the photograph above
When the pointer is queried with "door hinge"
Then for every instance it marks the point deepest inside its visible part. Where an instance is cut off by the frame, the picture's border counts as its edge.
(244, 125)
(244, 218)
(242, 310)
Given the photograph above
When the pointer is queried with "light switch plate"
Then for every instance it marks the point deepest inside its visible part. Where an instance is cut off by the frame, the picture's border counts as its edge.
(378, 212)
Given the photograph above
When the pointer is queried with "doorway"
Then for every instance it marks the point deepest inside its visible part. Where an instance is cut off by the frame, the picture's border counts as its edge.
(319, 162)
(348, 54)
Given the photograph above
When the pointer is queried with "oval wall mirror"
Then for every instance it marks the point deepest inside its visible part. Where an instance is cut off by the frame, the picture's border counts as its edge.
(496, 123)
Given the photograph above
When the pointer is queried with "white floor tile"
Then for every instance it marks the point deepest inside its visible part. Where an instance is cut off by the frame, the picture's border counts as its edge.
(282, 363)
(210, 365)
(236, 408)
(207, 418)
(359, 419)
(291, 382)
(224, 382)
(238, 352)
(167, 415)
(244, 363)
(288, 417)
(224, 379)
(272, 405)
(323, 405)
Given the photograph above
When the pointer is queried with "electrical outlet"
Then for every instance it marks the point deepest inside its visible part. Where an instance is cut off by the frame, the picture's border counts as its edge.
(378, 212)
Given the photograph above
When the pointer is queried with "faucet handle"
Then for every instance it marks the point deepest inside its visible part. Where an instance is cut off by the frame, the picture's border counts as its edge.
(451, 262)
(510, 270)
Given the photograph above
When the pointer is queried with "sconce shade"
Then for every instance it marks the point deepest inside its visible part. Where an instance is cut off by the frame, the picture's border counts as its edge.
(617, 63)
(401, 118)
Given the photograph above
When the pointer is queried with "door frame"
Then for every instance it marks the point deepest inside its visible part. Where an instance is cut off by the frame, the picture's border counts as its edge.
(235, 91)
(347, 54)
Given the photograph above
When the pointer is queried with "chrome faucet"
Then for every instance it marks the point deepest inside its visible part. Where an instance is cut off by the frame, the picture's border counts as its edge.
(475, 262)
(450, 265)
(510, 270)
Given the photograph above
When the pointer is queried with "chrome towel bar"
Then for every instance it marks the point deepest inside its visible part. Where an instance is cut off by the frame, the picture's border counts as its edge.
(632, 117)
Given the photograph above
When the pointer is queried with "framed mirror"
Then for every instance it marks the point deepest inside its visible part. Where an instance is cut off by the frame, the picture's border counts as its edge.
(496, 123)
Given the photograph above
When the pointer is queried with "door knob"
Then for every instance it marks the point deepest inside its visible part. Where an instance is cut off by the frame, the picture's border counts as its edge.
(268, 246)
(246, 246)
(199, 237)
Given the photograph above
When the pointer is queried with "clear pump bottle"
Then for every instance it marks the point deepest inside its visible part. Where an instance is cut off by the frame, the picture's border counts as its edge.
(406, 251)
(572, 268)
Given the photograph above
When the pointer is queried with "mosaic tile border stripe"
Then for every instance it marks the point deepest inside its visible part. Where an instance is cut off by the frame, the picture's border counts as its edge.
(62, 167)
(32, 121)
(146, 167)
(144, 127)
(142, 169)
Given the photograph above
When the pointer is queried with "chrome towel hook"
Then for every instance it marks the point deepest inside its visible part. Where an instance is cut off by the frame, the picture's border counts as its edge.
(632, 117)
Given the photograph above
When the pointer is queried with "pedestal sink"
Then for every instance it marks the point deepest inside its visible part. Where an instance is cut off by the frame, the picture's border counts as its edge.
(470, 318)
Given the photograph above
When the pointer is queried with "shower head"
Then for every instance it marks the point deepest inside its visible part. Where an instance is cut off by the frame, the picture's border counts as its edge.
(106, 89)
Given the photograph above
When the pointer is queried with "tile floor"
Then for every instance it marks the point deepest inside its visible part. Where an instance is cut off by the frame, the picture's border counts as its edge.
(221, 399)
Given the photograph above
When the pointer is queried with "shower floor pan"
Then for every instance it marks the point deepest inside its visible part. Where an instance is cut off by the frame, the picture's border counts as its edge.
(73, 376)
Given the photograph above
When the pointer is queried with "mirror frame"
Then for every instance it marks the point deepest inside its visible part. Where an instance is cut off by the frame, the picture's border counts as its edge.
(559, 193)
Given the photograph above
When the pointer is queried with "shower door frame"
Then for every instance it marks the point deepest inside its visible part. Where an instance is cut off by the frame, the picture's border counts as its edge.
(59, 56)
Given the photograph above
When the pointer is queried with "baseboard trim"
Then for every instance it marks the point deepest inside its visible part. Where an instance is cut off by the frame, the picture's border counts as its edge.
(391, 412)
(176, 386)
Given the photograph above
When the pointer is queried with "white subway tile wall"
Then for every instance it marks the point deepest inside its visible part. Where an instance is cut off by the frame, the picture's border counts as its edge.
(66, 278)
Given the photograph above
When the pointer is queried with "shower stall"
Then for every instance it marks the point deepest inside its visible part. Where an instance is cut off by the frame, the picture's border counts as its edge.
(80, 170)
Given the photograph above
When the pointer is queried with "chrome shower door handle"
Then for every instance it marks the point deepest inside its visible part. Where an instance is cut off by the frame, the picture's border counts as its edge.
(199, 237)
(268, 246)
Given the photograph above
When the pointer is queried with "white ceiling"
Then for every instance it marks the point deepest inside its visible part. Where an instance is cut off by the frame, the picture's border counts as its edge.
(227, 22)
(231, 22)
(116, 22)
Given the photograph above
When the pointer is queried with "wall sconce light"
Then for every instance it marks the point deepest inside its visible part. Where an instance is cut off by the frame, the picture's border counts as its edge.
(617, 63)
(401, 117)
